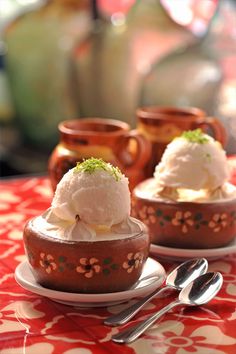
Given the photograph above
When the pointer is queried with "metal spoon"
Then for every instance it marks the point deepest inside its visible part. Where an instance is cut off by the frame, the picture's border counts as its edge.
(198, 292)
(177, 279)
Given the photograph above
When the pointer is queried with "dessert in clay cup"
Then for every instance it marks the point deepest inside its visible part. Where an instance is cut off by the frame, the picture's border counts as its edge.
(189, 202)
(87, 242)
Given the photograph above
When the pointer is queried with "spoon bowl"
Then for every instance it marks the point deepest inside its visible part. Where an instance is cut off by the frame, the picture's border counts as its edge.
(198, 292)
(186, 272)
(201, 290)
(177, 279)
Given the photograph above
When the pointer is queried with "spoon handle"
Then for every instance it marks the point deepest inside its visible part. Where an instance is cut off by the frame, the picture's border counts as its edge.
(128, 313)
(132, 333)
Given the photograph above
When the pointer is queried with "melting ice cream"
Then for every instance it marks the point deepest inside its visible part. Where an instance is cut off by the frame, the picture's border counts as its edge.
(91, 202)
(194, 167)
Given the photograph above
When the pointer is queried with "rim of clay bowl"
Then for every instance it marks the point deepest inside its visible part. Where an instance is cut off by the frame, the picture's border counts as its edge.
(85, 126)
(30, 225)
(137, 193)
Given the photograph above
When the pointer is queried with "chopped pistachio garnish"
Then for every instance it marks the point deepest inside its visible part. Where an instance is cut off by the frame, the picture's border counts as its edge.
(195, 136)
(92, 164)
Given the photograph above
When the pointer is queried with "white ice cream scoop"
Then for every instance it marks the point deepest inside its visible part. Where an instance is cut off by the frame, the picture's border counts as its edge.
(193, 161)
(95, 194)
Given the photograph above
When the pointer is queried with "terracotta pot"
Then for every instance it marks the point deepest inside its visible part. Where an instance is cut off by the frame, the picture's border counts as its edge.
(161, 124)
(85, 266)
(109, 139)
(185, 224)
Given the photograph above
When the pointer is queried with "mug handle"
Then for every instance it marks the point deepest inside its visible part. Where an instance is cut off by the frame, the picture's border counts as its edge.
(219, 132)
(142, 150)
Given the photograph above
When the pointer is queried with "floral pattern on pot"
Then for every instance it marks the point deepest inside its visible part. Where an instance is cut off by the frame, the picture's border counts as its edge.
(47, 262)
(133, 261)
(218, 222)
(147, 214)
(89, 267)
(185, 220)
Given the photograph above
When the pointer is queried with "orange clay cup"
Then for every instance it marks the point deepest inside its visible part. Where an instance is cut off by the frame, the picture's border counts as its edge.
(185, 224)
(85, 266)
(111, 140)
(161, 124)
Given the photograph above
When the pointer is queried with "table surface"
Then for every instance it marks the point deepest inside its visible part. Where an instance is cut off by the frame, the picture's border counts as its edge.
(33, 324)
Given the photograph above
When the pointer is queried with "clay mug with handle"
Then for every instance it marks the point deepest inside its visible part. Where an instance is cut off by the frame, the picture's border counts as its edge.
(111, 140)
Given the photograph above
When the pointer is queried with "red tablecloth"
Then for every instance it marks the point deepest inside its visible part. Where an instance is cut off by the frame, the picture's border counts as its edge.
(33, 324)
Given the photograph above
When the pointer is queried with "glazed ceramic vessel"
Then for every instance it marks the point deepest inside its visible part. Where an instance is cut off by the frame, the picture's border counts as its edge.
(85, 266)
(109, 139)
(185, 224)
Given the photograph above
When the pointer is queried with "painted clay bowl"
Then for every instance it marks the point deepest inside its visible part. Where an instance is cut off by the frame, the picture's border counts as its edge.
(185, 224)
(85, 266)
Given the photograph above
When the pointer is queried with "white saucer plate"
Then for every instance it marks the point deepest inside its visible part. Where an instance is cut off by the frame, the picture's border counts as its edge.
(180, 254)
(152, 277)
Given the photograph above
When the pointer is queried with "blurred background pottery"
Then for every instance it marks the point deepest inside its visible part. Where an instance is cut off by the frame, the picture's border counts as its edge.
(160, 124)
(127, 38)
(37, 63)
(38, 44)
(200, 74)
(68, 59)
(185, 224)
(111, 140)
(83, 266)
